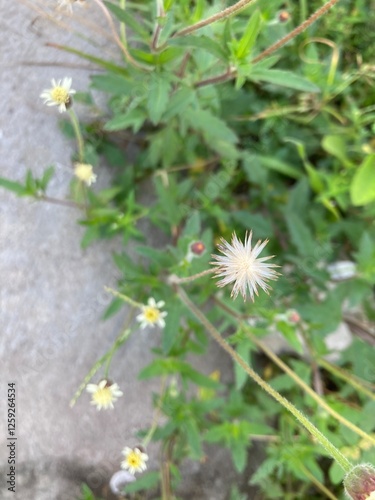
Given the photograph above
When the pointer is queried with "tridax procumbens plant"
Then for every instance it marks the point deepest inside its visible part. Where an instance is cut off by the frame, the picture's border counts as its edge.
(245, 127)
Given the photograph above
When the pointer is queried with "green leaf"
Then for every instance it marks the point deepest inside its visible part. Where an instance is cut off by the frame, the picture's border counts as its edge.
(261, 225)
(283, 79)
(134, 119)
(300, 234)
(124, 16)
(362, 189)
(47, 176)
(250, 35)
(212, 127)
(146, 481)
(280, 166)
(336, 146)
(178, 102)
(112, 83)
(158, 97)
(96, 60)
(201, 42)
(193, 437)
(16, 187)
(172, 324)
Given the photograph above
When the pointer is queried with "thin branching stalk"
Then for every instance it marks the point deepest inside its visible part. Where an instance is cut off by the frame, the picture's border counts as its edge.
(302, 27)
(349, 378)
(117, 39)
(124, 335)
(271, 355)
(317, 483)
(329, 447)
(125, 298)
(229, 11)
(230, 74)
(175, 280)
(124, 42)
(64, 203)
(78, 134)
(160, 13)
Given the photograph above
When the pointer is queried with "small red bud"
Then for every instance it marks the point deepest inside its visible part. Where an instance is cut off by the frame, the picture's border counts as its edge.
(284, 16)
(197, 248)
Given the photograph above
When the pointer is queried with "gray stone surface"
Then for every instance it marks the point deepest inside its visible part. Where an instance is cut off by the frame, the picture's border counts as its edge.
(51, 295)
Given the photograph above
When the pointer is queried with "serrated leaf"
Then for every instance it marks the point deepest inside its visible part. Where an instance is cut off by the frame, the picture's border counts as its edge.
(212, 127)
(362, 189)
(250, 35)
(300, 234)
(134, 119)
(158, 97)
(178, 102)
(284, 79)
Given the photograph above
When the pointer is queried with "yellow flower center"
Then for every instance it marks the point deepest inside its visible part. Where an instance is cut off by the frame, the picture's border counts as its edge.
(134, 459)
(84, 172)
(60, 95)
(103, 396)
(152, 314)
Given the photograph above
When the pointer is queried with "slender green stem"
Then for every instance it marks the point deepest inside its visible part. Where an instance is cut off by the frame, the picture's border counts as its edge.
(175, 280)
(317, 483)
(129, 58)
(160, 13)
(56, 201)
(358, 384)
(155, 420)
(229, 11)
(329, 447)
(78, 134)
(123, 26)
(306, 388)
(125, 298)
(118, 342)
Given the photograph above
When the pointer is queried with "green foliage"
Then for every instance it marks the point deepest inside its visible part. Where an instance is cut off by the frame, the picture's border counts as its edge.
(228, 139)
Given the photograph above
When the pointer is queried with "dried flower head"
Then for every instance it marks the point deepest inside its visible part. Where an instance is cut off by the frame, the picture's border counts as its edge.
(104, 394)
(84, 172)
(239, 264)
(59, 95)
(151, 314)
(360, 482)
(67, 5)
(134, 460)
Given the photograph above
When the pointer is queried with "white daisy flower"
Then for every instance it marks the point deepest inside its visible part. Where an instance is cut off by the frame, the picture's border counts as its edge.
(240, 265)
(104, 394)
(151, 314)
(59, 95)
(84, 173)
(134, 460)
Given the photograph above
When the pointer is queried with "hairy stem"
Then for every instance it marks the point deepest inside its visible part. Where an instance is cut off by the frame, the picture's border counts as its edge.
(329, 447)
(229, 11)
(306, 388)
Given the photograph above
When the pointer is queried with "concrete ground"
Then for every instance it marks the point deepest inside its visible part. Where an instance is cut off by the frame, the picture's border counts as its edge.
(51, 296)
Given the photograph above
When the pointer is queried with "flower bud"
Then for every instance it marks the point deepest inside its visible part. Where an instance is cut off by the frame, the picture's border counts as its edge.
(284, 16)
(360, 482)
(197, 248)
